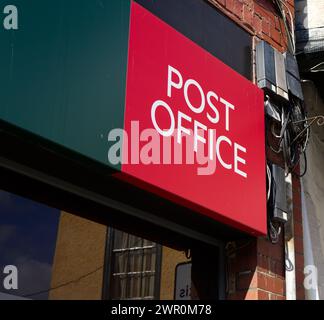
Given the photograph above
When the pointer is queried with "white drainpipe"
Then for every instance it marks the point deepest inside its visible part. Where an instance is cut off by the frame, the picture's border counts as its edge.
(290, 273)
(310, 293)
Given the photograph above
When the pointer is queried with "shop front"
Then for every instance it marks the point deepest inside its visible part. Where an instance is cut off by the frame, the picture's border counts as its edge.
(139, 122)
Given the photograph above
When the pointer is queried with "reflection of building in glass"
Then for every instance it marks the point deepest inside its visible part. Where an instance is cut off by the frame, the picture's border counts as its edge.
(27, 240)
(85, 254)
(96, 262)
(134, 265)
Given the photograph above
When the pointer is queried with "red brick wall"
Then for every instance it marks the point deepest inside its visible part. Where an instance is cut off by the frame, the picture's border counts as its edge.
(256, 271)
(259, 17)
(256, 268)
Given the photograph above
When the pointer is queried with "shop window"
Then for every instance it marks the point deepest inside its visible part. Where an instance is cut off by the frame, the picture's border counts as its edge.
(28, 232)
(134, 267)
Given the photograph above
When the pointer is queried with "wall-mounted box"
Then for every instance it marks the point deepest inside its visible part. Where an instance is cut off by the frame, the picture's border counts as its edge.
(265, 67)
(293, 78)
(279, 195)
(280, 70)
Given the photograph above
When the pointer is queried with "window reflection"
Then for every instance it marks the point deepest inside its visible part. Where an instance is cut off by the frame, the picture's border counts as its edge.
(28, 233)
(134, 267)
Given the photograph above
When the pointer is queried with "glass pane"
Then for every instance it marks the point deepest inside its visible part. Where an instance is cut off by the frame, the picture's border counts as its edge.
(28, 233)
(134, 267)
(148, 285)
(136, 261)
(134, 287)
(149, 260)
(121, 240)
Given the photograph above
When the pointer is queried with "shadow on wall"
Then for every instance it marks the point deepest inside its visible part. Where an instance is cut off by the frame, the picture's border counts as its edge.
(313, 183)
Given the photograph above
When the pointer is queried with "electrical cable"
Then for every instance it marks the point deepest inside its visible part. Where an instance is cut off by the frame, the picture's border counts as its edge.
(291, 32)
(292, 28)
(314, 68)
(274, 233)
(294, 134)
(299, 132)
(292, 139)
(77, 279)
(305, 167)
(288, 263)
(269, 182)
(63, 284)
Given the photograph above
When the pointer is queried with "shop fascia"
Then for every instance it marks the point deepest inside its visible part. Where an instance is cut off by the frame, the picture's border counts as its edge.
(203, 145)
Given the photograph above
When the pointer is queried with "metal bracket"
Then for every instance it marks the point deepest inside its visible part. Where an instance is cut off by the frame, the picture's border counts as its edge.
(310, 121)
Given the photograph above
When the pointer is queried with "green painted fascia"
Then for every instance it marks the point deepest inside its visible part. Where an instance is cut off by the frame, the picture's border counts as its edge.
(63, 72)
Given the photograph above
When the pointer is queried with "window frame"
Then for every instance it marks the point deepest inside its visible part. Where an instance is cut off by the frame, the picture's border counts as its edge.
(109, 267)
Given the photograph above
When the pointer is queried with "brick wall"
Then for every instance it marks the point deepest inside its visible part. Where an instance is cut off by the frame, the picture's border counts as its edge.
(259, 17)
(256, 267)
(256, 271)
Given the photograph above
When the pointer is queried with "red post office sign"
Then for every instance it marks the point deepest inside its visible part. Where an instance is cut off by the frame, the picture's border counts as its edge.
(194, 128)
